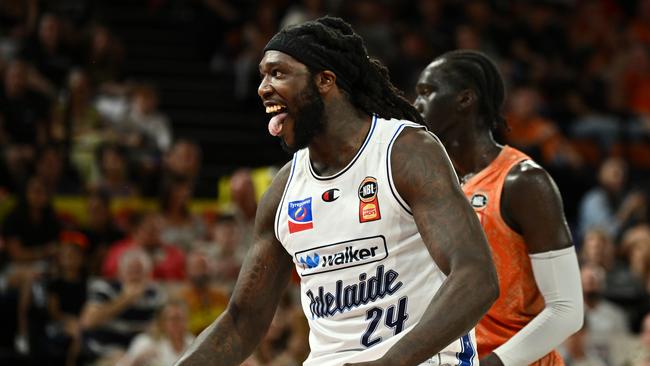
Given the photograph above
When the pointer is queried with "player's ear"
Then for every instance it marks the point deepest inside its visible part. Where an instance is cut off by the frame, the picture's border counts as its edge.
(465, 99)
(325, 81)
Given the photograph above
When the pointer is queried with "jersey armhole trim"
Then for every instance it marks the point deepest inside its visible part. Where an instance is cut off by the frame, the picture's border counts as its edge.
(389, 169)
(284, 194)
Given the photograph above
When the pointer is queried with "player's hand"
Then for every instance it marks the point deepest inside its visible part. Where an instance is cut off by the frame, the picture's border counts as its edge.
(491, 360)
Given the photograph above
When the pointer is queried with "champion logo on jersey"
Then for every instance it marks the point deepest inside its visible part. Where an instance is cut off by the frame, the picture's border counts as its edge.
(300, 217)
(331, 195)
(368, 202)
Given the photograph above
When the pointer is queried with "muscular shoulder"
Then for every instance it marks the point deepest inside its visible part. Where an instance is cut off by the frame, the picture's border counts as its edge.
(532, 205)
(527, 175)
(419, 163)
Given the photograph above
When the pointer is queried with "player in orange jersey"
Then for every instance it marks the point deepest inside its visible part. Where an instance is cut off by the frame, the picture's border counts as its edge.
(540, 304)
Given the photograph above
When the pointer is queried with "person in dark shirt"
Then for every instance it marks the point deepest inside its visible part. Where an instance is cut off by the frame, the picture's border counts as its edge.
(32, 228)
(23, 125)
(48, 51)
(30, 233)
(100, 229)
(66, 296)
(23, 112)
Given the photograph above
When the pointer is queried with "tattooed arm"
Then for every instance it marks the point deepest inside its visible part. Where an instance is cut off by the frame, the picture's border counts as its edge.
(264, 275)
(452, 233)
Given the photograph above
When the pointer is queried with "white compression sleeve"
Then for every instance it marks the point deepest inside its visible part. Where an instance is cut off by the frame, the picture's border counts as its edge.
(558, 278)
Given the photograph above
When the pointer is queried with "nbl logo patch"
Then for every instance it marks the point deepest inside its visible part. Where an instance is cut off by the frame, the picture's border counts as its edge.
(368, 202)
(300, 217)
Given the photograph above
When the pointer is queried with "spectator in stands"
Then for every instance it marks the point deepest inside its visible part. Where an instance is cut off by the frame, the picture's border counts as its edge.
(641, 355)
(628, 284)
(23, 122)
(598, 249)
(576, 350)
(31, 230)
(66, 296)
(535, 134)
(165, 343)
(119, 310)
(167, 260)
(242, 192)
(30, 233)
(104, 57)
(77, 123)
(205, 301)
(147, 121)
(113, 172)
(184, 160)
(48, 51)
(227, 250)
(100, 229)
(53, 170)
(621, 284)
(610, 205)
(180, 226)
(605, 320)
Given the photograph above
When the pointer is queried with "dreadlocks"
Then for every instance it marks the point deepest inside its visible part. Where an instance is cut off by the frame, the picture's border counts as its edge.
(330, 43)
(474, 70)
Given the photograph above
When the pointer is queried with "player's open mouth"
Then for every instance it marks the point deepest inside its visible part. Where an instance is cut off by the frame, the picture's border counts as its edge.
(278, 113)
(275, 109)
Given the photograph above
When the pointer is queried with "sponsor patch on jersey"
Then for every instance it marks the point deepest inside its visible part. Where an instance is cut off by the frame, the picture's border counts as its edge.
(300, 216)
(331, 195)
(341, 255)
(368, 201)
(478, 200)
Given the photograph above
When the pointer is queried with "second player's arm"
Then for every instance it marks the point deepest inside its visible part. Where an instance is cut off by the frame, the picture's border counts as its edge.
(262, 280)
(453, 235)
(532, 205)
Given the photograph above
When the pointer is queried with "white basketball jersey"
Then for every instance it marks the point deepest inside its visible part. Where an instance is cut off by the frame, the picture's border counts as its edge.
(366, 276)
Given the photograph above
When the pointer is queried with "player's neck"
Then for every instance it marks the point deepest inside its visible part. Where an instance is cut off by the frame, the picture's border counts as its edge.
(472, 150)
(345, 131)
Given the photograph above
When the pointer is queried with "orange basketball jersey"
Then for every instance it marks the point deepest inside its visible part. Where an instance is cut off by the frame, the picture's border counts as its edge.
(520, 300)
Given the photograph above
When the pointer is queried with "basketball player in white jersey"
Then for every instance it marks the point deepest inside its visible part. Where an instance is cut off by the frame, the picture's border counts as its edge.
(394, 266)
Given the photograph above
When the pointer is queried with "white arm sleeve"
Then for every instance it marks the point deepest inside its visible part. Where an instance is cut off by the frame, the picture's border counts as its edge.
(558, 278)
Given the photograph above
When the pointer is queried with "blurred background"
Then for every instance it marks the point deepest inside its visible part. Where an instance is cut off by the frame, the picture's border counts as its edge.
(134, 149)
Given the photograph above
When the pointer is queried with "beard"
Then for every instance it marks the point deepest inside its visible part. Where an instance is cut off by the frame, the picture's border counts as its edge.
(308, 118)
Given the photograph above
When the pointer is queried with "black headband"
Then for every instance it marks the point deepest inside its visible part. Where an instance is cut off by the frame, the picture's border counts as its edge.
(304, 50)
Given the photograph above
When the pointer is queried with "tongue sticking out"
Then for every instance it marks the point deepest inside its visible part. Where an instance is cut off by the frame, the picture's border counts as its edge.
(275, 124)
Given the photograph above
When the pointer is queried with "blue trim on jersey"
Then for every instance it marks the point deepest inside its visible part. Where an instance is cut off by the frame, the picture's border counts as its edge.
(466, 355)
(356, 157)
(284, 194)
(388, 170)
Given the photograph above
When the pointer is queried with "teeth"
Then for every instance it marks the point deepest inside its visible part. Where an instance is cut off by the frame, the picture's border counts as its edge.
(273, 108)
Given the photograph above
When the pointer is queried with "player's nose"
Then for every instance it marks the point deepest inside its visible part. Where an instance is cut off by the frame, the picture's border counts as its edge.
(264, 90)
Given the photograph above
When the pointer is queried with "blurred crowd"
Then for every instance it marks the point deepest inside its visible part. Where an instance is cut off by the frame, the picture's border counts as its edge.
(118, 285)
